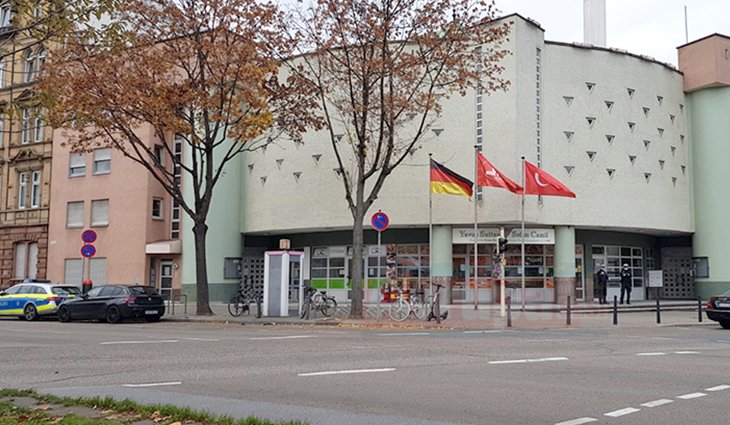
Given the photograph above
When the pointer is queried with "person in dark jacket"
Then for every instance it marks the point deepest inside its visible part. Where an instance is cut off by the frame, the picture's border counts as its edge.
(602, 284)
(625, 284)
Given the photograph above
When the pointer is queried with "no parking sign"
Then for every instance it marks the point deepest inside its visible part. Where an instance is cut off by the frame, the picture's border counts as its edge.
(380, 221)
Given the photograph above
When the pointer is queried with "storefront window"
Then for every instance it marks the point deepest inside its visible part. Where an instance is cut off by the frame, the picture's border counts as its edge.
(538, 266)
(412, 265)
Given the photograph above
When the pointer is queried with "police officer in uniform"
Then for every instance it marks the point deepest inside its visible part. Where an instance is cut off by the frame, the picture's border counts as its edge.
(625, 284)
(602, 284)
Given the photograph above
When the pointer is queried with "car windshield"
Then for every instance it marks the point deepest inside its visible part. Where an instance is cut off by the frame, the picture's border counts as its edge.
(72, 290)
(139, 290)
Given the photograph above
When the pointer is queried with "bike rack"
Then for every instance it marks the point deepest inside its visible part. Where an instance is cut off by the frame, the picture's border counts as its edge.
(171, 304)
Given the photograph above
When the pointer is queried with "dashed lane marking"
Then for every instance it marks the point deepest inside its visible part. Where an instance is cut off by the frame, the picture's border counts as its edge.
(691, 396)
(622, 412)
(344, 372)
(718, 388)
(202, 339)
(651, 354)
(545, 359)
(656, 403)
(405, 334)
(578, 421)
(483, 332)
(139, 342)
(281, 337)
(156, 384)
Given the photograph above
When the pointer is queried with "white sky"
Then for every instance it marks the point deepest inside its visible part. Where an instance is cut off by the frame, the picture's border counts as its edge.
(649, 27)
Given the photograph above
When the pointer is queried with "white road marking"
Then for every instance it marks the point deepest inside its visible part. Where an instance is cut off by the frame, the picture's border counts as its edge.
(686, 352)
(405, 334)
(651, 354)
(283, 337)
(496, 331)
(622, 412)
(656, 403)
(691, 396)
(139, 342)
(344, 372)
(664, 338)
(718, 388)
(201, 339)
(545, 359)
(157, 384)
(578, 421)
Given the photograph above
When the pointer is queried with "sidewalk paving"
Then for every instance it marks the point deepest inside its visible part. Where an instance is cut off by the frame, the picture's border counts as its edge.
(486, 317)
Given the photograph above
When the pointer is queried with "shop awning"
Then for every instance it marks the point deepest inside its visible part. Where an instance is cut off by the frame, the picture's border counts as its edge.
(164, 247)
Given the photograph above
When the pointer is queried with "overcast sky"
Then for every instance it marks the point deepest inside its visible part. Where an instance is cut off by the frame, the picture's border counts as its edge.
(649, 27)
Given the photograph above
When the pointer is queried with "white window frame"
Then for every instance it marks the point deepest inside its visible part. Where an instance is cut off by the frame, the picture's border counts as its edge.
(22, 189)
(39, 126)
(25, 126)
(99, 213)
(3, 67)
(6, 14)
(35, 191)
(77, 164)
(29, 69)
(159, 155)
(2, 129)
(102, 156)
(160, 213)
(25, 265)
(75, 218)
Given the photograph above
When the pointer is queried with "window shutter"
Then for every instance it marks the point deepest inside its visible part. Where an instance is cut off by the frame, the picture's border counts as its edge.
(100, 212)
(75, 214)
(73, 274)
(97, 271)
(21, 251)
(33, 260)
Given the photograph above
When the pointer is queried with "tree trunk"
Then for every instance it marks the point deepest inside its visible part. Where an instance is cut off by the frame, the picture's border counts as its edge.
(201, 270)
(356, 274)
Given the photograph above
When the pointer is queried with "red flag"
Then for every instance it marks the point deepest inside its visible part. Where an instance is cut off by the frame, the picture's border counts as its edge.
(539, 182)
(487, 175)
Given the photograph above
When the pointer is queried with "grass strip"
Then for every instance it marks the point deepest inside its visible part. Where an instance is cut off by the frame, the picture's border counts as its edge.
(161, 413)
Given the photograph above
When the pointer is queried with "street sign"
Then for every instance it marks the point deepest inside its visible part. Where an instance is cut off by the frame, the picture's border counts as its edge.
(88, 251)
(89, 236)
(380, 221)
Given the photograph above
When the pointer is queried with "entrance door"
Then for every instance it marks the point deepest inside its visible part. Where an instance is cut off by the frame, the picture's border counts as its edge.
(165, 287)
(460, 276)
(294, 282)
(614, 281)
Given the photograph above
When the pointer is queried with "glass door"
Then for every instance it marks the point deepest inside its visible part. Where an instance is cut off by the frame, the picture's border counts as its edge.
(166, 279)
(460, 275)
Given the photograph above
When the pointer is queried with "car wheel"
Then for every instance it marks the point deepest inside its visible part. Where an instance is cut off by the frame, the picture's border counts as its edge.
(725, 324)
(152, 318)
(64, 314)
(113, 315)
(30, 312)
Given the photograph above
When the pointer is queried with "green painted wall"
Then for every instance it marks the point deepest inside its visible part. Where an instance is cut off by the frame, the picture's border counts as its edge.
(710, 139)
(442, 251)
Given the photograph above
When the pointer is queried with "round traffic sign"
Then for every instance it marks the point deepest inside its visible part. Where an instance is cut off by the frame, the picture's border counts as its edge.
(88, 250)
(89, 236)
(380, 221)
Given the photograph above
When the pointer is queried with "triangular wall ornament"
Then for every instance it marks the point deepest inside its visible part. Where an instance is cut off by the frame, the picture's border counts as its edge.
(412, 151)
(647, 176)
(569, 169)
(590, 86)
(609, 138)
(671, 118)
(279, 162)
(338, 171)
(681, 108)
(630, 92)
(646, 144)
(631, 126)
(632, 158)
(660, 131)
(684, 169)
(609, 105)
(263, 180)
(297, 174)
(673, 149)
(661, 164)
(646, 111)
(568, 135)
(568, 100)
(674, 181)
(263, 149)
(659, 99)
(681, 138)
(610, 172)
(437, 131)
(591, 120)
(591, 154)
(316, 157)
(298, 143)
(338, 137)
(250, 168)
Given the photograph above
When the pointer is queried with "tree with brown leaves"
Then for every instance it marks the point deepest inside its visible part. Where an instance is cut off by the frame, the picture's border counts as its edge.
(381, 69)
(201, 70)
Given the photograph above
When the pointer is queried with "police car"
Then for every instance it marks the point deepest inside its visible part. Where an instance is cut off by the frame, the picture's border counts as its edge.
(30, 301)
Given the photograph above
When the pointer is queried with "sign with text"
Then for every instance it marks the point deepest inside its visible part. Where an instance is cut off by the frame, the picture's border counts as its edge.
(491, 236)
(656, 279)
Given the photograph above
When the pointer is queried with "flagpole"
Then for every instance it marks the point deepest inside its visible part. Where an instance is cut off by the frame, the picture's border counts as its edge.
(474, 195)
(430, 231)
(522, 234)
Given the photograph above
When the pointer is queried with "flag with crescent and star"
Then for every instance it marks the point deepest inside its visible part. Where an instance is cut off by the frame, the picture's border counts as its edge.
(539, 182)
(488, 175)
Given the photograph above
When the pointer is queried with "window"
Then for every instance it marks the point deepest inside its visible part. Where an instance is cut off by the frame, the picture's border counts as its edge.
(177, 160)
(6, 13)
(22, 190)
(2, 74)
(77, 165)
(35, 192)
(2, 128)
(102, 161)
(100, 212)
(159, 153)
(73, 271)
(157, 208)
(75, 215)
(26, 260)
(39, 128)
(29, 67)
(41, 58)
(97, 271)
(25, 126)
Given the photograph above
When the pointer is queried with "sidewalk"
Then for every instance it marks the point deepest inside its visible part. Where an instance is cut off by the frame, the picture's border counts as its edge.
(486, 317)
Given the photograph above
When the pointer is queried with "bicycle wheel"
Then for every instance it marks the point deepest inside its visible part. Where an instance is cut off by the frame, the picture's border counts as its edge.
(305, 308)
(419, 308)
(235, 305)
(258, 306)
(398, 311)
(329, 306)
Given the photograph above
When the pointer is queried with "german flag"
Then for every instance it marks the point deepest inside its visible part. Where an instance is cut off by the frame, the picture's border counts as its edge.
(448, 182)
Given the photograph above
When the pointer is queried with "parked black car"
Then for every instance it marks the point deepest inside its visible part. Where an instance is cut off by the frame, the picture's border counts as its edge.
(114, 303)
(718, 309)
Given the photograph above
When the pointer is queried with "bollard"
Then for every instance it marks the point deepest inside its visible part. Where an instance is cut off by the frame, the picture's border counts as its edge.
(615, 310)
(509, 311)
(699, 309)
(567, 319)
(658, 312)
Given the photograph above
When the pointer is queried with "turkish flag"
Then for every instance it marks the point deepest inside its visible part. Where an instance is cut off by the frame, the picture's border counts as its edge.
(539, 182)
(487, 175)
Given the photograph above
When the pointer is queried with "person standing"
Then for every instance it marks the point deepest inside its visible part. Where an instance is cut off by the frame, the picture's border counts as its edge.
(602, 284)
(625, 284)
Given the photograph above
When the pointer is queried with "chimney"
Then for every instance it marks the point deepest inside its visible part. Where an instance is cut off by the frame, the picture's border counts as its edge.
(594, 22)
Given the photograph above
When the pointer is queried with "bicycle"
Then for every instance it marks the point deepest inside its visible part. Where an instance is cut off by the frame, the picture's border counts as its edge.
(318, 300)
(241, 301)
(402, 308)
(435, 312)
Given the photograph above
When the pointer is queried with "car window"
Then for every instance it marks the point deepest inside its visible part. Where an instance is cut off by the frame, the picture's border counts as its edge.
(13, 290)
(24, 289)
(94, 292)
(107, 291)
(38, 290)
(66, 290)
(142, 290)
(116, 292)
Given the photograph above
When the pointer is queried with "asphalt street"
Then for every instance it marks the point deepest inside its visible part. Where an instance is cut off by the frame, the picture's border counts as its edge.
(330, 375)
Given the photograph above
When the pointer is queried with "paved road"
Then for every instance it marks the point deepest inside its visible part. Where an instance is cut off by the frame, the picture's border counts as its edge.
(613, 375)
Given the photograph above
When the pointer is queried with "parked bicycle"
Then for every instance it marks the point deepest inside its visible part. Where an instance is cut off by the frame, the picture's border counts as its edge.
(404, 307)
(318, 300)
(244, 299)
(435, 304)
